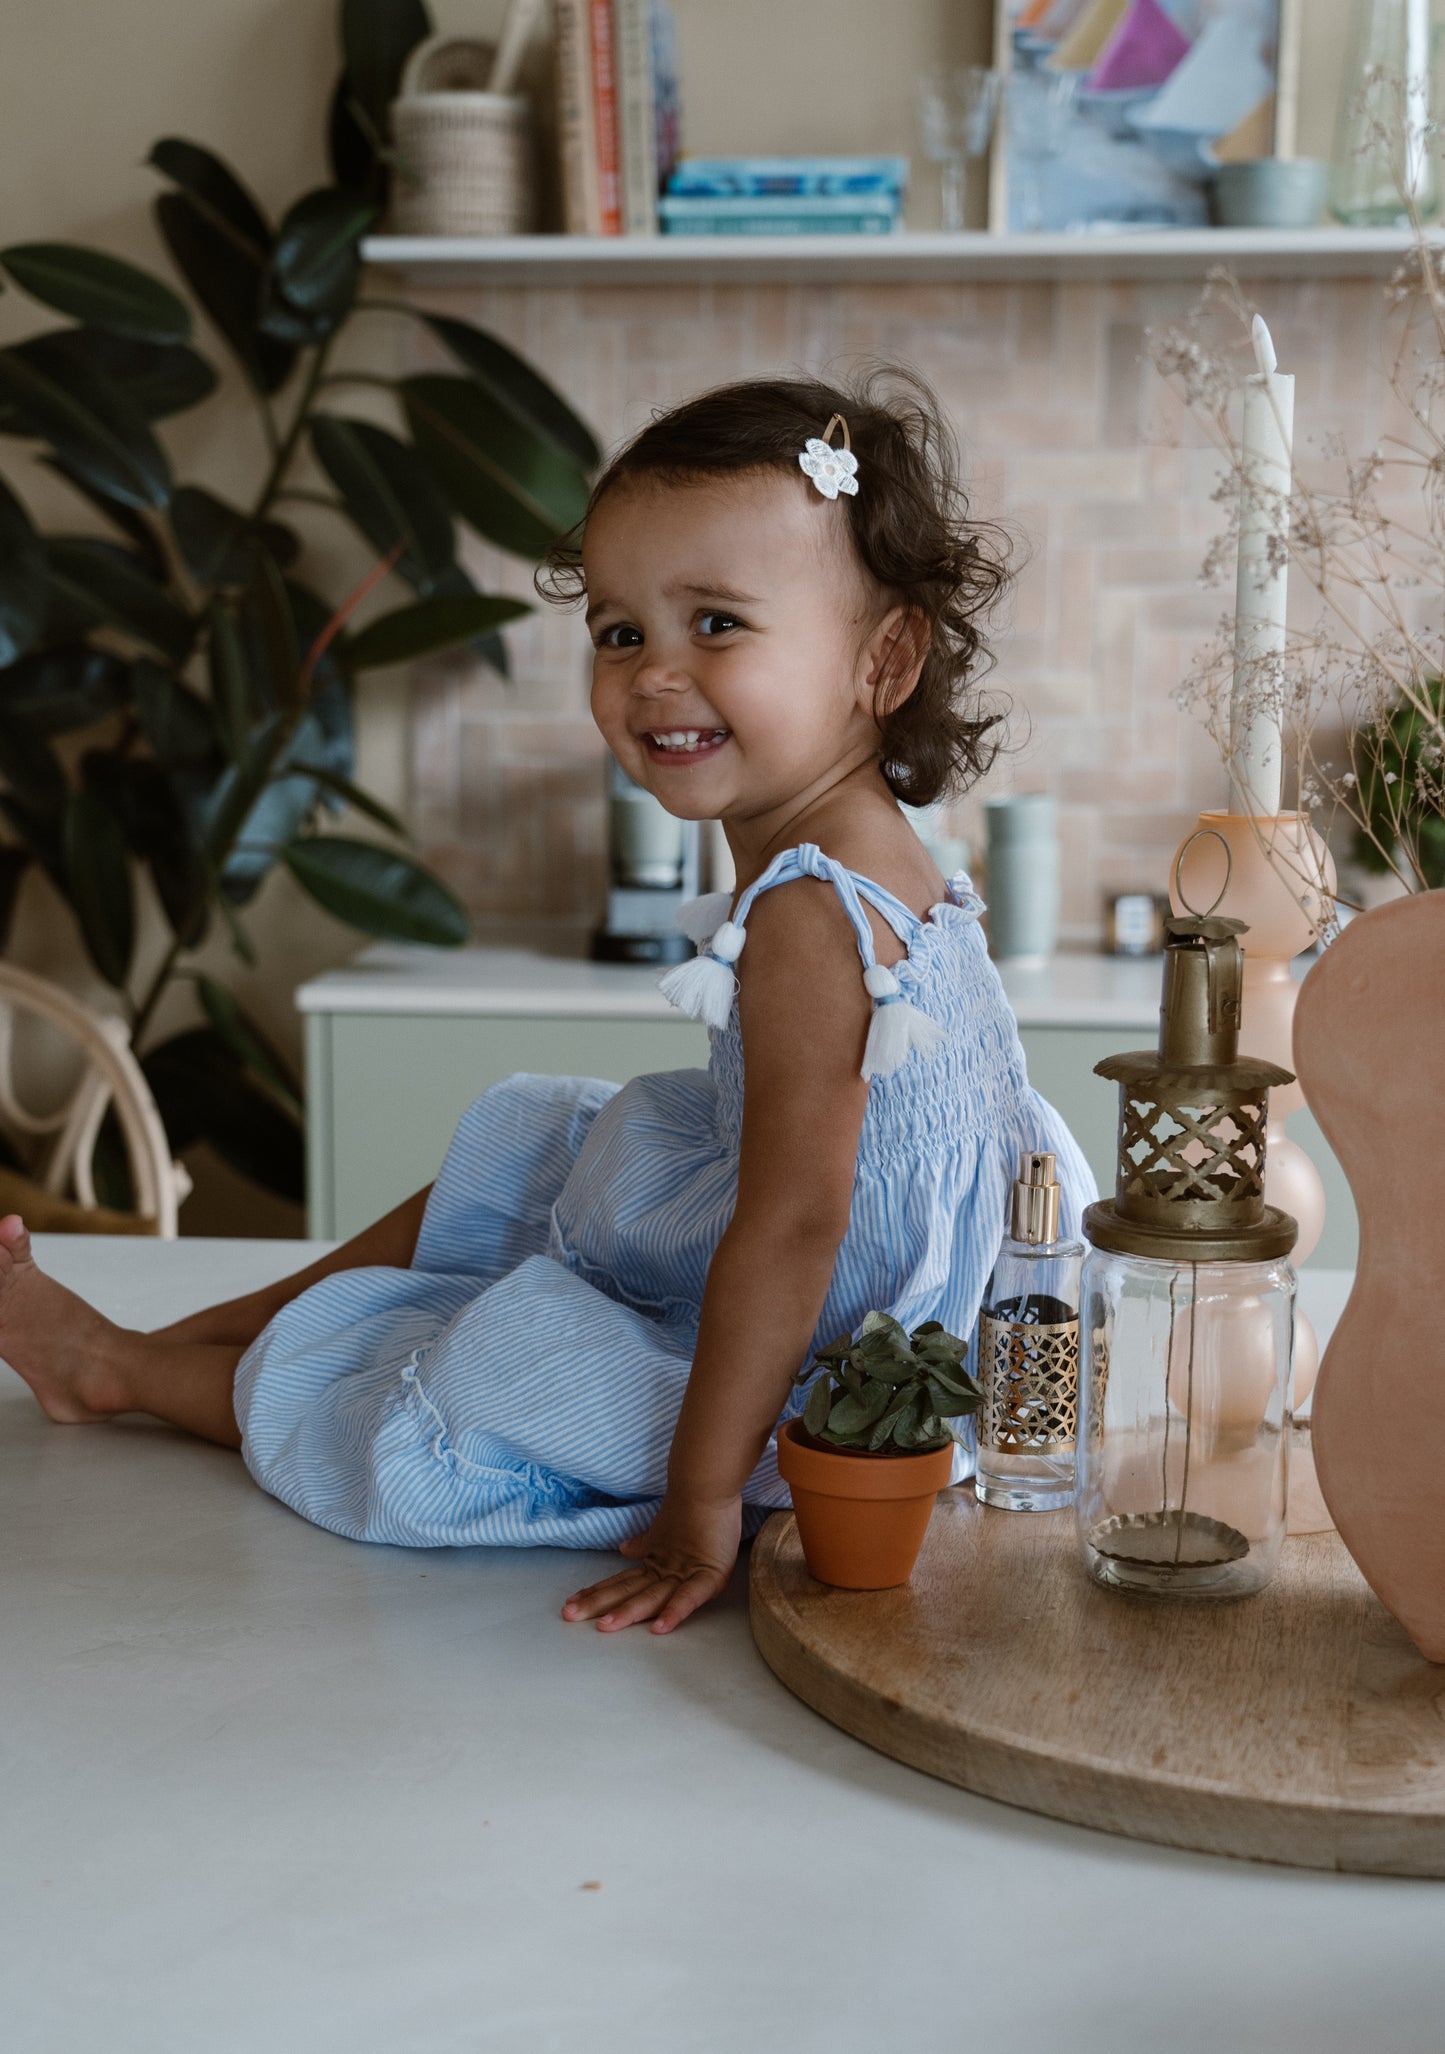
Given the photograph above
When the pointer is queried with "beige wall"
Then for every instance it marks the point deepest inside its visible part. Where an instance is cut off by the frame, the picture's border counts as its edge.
(87, 85)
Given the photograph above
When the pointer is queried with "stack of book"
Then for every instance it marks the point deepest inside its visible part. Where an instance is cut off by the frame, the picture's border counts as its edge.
(785, 196)
(616, 113)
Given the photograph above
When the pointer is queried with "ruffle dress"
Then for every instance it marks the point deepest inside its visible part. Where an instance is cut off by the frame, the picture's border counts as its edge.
(519, 1383)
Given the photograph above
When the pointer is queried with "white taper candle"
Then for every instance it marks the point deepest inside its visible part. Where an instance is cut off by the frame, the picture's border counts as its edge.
(1256, 741)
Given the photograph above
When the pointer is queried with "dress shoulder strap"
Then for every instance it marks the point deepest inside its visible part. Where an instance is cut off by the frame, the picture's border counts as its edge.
(706, 987)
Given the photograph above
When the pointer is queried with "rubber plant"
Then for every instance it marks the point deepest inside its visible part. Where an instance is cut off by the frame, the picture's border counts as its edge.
(889, 1392)
(176, 693)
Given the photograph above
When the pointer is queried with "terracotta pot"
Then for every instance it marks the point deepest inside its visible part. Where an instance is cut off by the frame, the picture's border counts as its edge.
(861, 1518)
(1369, 1052)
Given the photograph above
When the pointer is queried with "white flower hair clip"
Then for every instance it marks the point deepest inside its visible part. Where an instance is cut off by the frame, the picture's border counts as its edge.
(831, 470)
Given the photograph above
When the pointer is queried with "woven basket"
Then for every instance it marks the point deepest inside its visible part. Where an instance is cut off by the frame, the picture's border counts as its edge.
(464, 156)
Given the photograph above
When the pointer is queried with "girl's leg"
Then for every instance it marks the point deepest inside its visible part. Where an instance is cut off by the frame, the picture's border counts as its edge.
(82, 1367)
(388, 1243)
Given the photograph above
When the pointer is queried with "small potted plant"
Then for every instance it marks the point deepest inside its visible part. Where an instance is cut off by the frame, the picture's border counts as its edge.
(873, 1448)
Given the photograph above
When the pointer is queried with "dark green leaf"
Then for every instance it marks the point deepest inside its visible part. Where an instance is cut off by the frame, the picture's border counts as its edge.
(59, 690)
(271, 631)
(240, 940)
(150, 805)
(218, 543)
(815, 1412)
(511, 484)
(158, 378)
(115, 584)
(125, 518)
(31, 769)
(429, 626)
(39, 828)
(352, 795)
(389, 493)
(24, 601)
(897, 1406)
(175, 720)
(204, 1094)
(378, 890)
(93, 426)
(13, 865)
(454, 582)
(97, 866)
(230, 284)
(110, 1166)
(216, 192)
(247, 1042)
(317, 259)
(99, 290)
(952, 1404)
(377, 37)
(352, 148)
(229, 690)
(512, 383)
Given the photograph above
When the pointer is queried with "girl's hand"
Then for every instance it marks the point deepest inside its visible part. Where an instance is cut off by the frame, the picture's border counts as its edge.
(685, 1557)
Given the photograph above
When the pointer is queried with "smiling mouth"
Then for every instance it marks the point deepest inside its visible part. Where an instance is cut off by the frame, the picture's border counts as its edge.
(684, 744)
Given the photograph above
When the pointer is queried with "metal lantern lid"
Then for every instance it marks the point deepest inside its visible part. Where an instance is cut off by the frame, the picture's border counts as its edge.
(1189, 1185)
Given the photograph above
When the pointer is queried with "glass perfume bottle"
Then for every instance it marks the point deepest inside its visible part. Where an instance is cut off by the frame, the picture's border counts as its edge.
(1028, 1354)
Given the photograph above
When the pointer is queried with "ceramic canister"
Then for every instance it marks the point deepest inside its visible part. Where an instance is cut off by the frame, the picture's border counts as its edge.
(1023, 877)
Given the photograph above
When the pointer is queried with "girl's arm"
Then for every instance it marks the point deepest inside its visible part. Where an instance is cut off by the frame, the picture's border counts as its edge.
(388, 1243)
(804, 1017)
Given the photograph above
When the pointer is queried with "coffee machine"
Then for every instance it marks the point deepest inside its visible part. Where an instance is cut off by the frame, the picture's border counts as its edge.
(653, 868)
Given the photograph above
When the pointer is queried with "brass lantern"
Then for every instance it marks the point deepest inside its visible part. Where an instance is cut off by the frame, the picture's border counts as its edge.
(1187, 1314)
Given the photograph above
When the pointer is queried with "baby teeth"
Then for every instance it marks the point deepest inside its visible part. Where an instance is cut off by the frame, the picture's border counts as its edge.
(684, 739)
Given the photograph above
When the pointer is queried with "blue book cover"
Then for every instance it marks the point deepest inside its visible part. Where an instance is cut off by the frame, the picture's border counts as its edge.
(773, 214)
(788, 177)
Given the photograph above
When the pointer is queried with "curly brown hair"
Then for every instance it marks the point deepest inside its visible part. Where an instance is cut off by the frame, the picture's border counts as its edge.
(909, 527)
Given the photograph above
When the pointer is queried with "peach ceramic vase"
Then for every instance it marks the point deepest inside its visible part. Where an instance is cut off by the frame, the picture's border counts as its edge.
(1276, 878)
(1370, 1052)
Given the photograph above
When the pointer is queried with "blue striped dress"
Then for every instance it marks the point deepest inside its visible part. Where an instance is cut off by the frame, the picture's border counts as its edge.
(519, 1383)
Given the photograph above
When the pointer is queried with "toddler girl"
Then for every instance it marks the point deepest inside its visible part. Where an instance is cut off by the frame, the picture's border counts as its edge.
(586, 1332)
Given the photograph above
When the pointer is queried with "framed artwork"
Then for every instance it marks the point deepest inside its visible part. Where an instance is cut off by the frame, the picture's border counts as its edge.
(1116, 113)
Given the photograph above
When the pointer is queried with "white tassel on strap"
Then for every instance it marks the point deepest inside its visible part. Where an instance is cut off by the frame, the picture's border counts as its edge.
(704, 988)
(700, 919)
(897, 1027)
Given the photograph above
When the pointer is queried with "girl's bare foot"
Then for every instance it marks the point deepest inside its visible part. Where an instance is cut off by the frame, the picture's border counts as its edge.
(70, 1355)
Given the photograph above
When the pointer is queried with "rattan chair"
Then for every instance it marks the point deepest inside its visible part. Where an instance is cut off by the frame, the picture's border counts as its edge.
(65, 1137)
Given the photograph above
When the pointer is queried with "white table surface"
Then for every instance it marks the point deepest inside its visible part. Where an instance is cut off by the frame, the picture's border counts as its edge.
(1070, 990)
(260, 1793)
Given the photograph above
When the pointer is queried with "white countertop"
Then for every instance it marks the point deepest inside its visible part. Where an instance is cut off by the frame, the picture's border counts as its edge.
(263, 1794)
(1070, 991)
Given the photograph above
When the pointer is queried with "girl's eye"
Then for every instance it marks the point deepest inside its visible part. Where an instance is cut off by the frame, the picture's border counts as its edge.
(721, 623)
(622, 636)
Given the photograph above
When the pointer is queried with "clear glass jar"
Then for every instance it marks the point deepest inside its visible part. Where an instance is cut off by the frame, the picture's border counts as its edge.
(1028, 1365)
(1385, 143)
(1184, 1412)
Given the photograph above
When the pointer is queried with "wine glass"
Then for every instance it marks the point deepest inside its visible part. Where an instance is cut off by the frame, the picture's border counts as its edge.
(1041, 108)
(956, 106)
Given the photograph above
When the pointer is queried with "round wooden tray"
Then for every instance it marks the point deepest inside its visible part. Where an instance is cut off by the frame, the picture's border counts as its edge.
(1299, 1725)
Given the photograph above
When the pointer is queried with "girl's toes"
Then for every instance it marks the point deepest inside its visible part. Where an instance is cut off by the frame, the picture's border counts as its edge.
(14, 1239)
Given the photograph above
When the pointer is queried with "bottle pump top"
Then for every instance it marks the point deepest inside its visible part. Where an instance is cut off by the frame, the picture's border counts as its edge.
(1036, 1201)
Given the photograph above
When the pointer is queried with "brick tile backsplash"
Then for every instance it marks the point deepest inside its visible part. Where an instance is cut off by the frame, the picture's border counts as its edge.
(1072, 441)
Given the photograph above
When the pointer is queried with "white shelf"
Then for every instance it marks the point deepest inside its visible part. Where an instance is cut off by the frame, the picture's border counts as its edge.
(840, 259)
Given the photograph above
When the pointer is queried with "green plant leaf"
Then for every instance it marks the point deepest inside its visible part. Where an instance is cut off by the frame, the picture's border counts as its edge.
(513, 383)
(14, 863)
(815, 1412)
(100, 290)
(429, 626)
(247, 1042)
(218, 543)
(352, 795)
(93, 426)
(158, 378)
(269, 631)
(389, 494)
(378, 890)
(151, 802)
(511, 484)
(23, 598)
(230, 695)
(58, 690)
(317, 258)
(124, 518)
(351, 149)
(32, 770)
(204, 1094)
(229, 281)
(119, 591)
(216, 193)
(176, 721)
(97, 867)
(377, 37)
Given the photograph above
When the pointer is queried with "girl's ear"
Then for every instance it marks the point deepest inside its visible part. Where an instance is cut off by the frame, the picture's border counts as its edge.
(894, 656)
